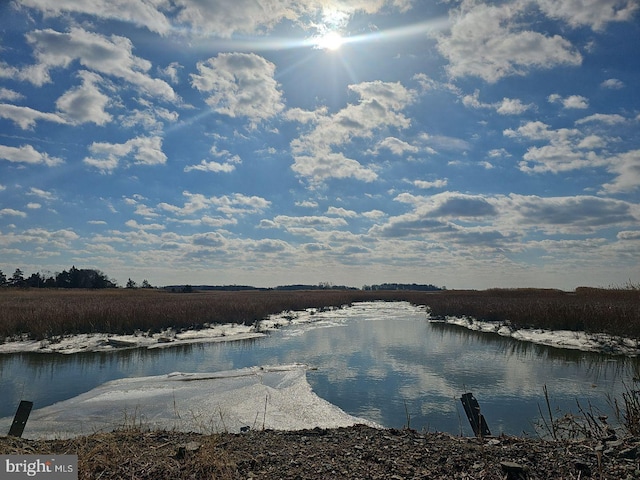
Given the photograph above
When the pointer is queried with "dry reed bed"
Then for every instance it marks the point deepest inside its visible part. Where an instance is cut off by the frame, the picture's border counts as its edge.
(48, 313)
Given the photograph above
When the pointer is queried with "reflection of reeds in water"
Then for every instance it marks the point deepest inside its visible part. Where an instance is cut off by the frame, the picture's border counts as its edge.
(597, 365)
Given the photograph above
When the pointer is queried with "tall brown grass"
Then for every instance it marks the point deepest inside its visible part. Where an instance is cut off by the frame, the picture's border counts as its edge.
(43, 313)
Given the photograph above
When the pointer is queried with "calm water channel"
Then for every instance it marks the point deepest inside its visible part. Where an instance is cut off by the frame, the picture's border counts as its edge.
(381, 361)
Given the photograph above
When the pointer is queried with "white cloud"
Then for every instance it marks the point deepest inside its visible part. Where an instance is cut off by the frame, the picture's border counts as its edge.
(229, 165)
(489, 42)
(435, 184)
(139, 12)
(85, 103)
(627, 169)
(307, 204)
(507, 106)
(29, 155)
(512, 106)
(45, 195)
(341, 212)
(172, 72)
(572, 101)
(26, 117)
(11, 95)
(212, 166)
(502, 220)
(152, 119)
(576, 215)
(498, 153)
(379, 107)
(568, 149)
(12, 212)
(240, 85)
(608, 119)
(593, 14)
(575, 101)
(374, 214)
(139, 151)
(149, 226)
(111, 56)
(397, 146)
(288, 222)
(235, 204)
(612, 83)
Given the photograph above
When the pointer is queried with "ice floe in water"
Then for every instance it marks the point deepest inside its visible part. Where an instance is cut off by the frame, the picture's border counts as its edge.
(275, 397)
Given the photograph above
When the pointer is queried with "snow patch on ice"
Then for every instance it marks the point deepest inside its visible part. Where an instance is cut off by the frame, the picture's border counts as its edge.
(588, 342)
(269, 397)
(105, 342)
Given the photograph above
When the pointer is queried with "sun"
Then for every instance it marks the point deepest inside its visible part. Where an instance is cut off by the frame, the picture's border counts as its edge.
(330, 41)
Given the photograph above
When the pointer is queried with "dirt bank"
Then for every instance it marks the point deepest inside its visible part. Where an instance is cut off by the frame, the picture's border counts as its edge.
(357, 452)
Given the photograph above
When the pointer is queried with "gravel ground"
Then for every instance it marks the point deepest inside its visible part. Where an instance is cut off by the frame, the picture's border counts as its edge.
(357, 452)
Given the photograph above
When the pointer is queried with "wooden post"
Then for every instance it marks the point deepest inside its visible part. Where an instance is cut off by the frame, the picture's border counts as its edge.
(476, 419)
(20, 419)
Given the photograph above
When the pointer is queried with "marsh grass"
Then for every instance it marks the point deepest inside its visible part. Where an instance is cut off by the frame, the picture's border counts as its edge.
(47, 314)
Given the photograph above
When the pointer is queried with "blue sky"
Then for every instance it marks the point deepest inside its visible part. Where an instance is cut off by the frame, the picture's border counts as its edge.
(465, 144)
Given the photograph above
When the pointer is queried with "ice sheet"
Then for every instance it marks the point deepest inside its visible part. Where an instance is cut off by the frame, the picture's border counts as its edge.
(588, 342)
(271, 397)
(103, 342)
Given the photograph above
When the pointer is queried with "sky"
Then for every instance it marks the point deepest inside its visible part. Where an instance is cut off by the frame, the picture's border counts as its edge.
(465, 144)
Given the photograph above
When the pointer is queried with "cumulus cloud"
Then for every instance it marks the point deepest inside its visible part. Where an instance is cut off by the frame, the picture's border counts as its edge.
(288, 222)
(228, 165)
(152, 119)
(498, 220)
(12, 212)
(148, 226)
(235, 204)
(567, 149)
(11, 95)
(85, 103)
(211, 166)
(581, 214)
(512, 106)
(595, 15)
(341, 212)
(112, 56)
(396, 146)
(489, 41)
(626, 167)
(435, 184)
(608, 119)
(507, 106)
(45, 195)
(215, 17)
(612, 83)
(379, 107)
(26, 117)
(29, 155)
(138, 151)
(239, 85)
(572, 101)
(138, 12)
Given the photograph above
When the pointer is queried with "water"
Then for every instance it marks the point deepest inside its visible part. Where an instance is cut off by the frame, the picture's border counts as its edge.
(381, 361)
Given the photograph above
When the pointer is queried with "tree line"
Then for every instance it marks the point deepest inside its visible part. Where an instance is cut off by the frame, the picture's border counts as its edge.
(73, 278)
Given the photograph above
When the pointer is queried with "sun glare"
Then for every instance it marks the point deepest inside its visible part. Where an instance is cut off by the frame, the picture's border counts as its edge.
(330, 41)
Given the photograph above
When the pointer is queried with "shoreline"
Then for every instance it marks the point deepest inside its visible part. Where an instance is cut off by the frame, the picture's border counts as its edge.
(565, 339)
(211, 333)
